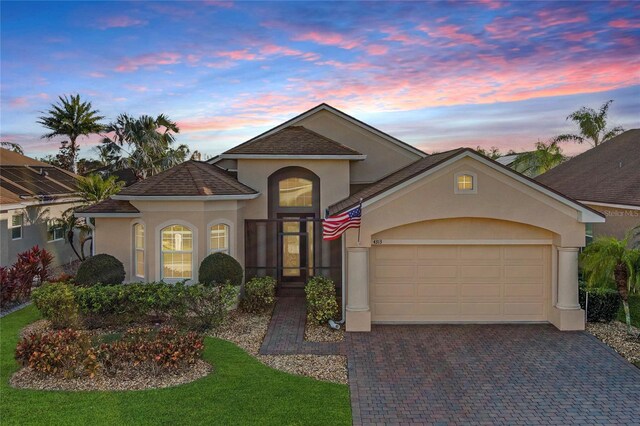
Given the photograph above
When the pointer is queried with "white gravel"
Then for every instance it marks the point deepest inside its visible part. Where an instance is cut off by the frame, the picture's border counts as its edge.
(616, 336)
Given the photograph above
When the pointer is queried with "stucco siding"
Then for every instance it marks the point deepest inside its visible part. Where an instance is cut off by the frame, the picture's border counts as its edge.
(383, 156)
(619, 221)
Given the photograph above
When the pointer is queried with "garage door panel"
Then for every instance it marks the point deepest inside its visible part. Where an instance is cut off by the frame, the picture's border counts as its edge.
(460, 283)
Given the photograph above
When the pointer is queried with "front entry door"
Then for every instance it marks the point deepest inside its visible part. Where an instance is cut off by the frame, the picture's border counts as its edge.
(296, 249)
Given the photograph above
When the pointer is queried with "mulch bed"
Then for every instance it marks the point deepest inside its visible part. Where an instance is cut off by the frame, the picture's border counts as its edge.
(26, 378)
(322, 333)
(615, 335)
(248, 331)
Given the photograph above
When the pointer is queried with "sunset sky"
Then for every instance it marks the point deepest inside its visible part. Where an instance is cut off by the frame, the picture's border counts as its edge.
(437, 75)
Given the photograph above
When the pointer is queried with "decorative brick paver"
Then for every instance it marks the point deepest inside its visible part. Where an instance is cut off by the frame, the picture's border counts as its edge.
(488, 374)
(285, 335)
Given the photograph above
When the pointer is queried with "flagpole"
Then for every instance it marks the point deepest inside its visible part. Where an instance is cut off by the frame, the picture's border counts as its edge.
(360, 222)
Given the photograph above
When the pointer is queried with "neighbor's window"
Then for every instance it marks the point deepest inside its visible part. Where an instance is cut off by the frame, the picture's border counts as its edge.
(465, 182)
(17, 221)
(177, 252)
(295, 192)
(219, 239)
(138, 245)
(55, 232)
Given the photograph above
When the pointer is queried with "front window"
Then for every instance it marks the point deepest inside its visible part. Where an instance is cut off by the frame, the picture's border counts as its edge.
(138, 245)
(219, 239)
(295, 192)
(465, 183)
(177, 252)
(17, 221)
(55, 232)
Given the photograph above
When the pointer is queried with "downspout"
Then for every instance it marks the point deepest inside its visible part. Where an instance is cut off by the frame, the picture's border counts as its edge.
(336, 325)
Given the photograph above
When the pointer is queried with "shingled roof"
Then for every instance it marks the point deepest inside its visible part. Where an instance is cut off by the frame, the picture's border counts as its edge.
(111, 206)
(191, 178)
(292, 140)
(394, 179)
(607, 173)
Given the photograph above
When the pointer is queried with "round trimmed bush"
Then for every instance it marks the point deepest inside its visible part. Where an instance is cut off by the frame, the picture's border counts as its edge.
(100, 269)
(219, 269)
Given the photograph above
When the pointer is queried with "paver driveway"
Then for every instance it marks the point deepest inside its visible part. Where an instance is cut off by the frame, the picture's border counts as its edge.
(494, 374)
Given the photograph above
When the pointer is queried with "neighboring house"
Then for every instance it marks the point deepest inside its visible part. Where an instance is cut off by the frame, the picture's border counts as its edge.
(449, 237)
(33, 195)
(607, 179)
(508, 159)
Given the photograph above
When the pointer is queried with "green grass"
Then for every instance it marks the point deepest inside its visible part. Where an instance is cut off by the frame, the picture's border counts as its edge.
(240, 391)
(634, 308)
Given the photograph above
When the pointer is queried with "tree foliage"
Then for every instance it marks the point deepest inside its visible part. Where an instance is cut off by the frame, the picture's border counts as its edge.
(544, 158)
(592, 125)
(71, 117)
(94, 188)
(12, 146)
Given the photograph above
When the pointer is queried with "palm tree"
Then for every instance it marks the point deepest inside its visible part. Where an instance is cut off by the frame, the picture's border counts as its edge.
(94, 188)
(149, 143)
(593, 126)
(15, 147)
(70, 223)
(608, 257)
(545, 157)
(493, 152)
(72, 118)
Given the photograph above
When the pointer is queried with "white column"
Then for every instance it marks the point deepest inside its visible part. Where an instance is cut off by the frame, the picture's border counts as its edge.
(358, 313)
(568, 278)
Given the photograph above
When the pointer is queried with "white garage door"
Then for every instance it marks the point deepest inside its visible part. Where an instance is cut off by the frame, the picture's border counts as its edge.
(455, 283)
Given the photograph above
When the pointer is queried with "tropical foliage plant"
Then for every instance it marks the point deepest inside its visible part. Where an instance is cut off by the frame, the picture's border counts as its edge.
(16, 281)
(545, 157)
(592, 126)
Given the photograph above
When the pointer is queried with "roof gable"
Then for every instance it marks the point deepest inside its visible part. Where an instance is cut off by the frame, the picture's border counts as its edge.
(607, 173)
(433, 163)
(193, 179)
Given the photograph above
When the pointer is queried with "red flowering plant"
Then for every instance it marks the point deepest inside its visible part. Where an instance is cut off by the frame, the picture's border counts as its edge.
(32, 268)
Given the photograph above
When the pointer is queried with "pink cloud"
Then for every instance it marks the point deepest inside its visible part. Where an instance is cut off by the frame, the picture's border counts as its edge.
(97, 74)
(625, 23)
(328, 39)
(238, 55)
(452, 32)
(577, 37)
(19, 102)
(491, 4)
(553, 17)
(150, 60)
(137, 88)
(377, 49)
(120, 22)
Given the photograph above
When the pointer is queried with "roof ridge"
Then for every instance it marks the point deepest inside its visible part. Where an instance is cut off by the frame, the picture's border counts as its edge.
(211, 168)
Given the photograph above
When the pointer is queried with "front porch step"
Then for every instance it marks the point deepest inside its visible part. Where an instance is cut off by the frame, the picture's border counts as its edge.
(288, 290)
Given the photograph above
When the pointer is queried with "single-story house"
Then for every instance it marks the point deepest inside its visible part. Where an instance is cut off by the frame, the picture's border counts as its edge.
(33, 196)
(607, 179)
(449, 237)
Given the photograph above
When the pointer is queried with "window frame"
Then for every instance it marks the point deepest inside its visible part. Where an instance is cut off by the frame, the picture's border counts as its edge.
(52, 227)
(136, 250)
(474, 183)
(20, 227)
(230, 240)
(299, 178)
(158, 251)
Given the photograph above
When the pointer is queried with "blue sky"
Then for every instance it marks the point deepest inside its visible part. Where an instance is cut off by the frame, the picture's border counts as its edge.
(437, 75)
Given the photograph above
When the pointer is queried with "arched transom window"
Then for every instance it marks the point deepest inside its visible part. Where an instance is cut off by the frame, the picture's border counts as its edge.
(219, 239)
(295, 192)
(177, 252)
(138, 246)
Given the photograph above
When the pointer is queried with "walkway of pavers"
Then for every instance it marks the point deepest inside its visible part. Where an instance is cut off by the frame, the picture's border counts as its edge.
(472, 373)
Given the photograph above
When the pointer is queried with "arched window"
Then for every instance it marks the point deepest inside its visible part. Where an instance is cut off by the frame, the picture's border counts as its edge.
(177, 252)
(219, 239)
(295, 192)
(138, 247)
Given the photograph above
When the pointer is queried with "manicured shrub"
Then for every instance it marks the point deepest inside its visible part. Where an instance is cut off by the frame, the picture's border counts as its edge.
(62, 353)
(100, 269)
(56, 302)
(259, 294)
(16, 282)
(604, 304)
(321, 300)
(219, 269)
(199, 307)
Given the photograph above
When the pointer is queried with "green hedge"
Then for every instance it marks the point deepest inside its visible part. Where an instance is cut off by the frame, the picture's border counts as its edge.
(100, 269)
(321, 300)
(219, 269)
(604, 304)
(259, 294)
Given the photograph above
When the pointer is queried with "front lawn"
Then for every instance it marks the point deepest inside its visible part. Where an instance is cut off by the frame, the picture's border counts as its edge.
(239, 391)
(634, 308)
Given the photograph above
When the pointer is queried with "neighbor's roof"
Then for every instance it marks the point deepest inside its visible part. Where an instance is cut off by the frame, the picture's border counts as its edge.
(110, 206)
(189, 179)
(394, 179)
(608, 173)
(292, 141)
(24, 179)
(507, 160)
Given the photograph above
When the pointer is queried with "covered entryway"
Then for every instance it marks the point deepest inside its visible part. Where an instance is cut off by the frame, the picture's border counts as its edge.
(458, 283)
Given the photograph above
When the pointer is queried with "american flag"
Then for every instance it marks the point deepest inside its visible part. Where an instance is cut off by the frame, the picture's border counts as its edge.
(334, 226)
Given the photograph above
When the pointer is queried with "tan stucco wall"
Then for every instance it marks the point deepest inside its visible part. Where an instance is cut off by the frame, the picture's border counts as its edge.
(383, 156)
(619, 221)
(34, 232)
(333, 174)
(114, 236)
(498, 197)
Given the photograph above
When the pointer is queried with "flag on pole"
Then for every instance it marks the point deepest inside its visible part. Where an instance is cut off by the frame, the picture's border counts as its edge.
(334, 226)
